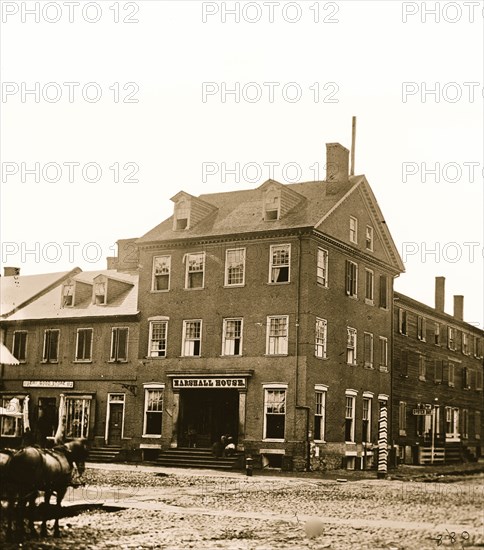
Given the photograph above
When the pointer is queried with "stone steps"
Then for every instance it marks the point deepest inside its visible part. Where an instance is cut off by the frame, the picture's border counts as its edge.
(104, 454)
(196, 458)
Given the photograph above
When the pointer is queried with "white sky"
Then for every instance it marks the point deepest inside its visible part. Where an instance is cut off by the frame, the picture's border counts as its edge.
(170, 132)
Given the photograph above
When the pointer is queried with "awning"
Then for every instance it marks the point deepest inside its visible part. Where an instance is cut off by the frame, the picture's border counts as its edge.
(6, 357)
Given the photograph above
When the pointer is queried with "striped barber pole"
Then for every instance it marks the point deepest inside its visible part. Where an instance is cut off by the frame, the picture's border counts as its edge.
(383, 440)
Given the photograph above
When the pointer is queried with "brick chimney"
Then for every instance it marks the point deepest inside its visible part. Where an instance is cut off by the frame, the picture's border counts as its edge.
(440, 293)
(11, 271)
(337, 163)
(459, 307)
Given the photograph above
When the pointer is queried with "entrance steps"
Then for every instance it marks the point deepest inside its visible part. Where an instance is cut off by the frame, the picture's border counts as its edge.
(108, 453)
(185, 457)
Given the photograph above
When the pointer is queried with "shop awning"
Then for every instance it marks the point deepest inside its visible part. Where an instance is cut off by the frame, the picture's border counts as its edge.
(6, 357)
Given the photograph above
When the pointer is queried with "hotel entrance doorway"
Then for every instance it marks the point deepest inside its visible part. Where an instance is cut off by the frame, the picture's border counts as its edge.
(206, 415)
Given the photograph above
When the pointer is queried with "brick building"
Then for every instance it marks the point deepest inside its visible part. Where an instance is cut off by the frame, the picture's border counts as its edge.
(266, 314)
(75, 335)
(438, 388)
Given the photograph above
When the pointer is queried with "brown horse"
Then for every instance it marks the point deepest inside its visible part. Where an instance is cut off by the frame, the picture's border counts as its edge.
(33, 469)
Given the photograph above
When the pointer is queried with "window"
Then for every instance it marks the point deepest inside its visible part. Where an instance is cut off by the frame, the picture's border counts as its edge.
(351, 346)
(275, 413)
(451, 338)
(100, 293)
(422, 368)
(279, 264)
(320, 413)
(465, 423)
(383, 354)
(321, 338)
(353, 230)
(479, 379)
(77, 416)
(421, 328)
(404, 363)
(119, 344)
(232, 337)
(477, 347)
(235, 267)
(466, 378)
(20, 345)
(369, 278)
(153, 412)
(84, 344)
(383, 291)
(465, 344)
(366, 419)
(350, 418)
(277, 339)
(161, 273)
(477, 424)
(451, 374)
(50, 352)
(402, 418)
(322, 269)
(192, 341)
(368, 349)
(271, 207)
(402, 321)
(351, 279)
(369, 238)
(11, 426)
(195, 270)
(438, 370)
(182, 214)
(68, 295)
(158, 334)
(437, 334)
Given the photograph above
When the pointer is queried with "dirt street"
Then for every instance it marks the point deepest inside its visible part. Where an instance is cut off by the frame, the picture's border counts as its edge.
(176, 509)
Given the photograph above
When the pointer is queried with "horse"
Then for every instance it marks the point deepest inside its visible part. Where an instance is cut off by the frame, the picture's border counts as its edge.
(10, 494)
(33, 469)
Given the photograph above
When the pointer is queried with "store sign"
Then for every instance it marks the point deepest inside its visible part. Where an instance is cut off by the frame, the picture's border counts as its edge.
(209, 383)
(48, 384)
(422, 412)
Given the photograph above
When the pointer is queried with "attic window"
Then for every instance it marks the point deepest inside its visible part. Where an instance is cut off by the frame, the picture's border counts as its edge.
(100, 293)
(272, 207)
(182, 212)
(68, 295)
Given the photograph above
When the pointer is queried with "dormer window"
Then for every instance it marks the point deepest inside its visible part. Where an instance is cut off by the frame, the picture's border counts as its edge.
(68, 294)
(182, 213)
(272, 207)
(100, 293)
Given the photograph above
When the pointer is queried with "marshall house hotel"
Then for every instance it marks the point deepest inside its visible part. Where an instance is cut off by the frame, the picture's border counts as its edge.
(267, 314)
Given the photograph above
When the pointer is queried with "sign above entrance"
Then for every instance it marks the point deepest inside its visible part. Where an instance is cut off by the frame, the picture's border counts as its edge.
(225, 383)
(48, 384)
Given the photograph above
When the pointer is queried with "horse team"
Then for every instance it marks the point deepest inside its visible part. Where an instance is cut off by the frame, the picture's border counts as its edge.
(27, 471)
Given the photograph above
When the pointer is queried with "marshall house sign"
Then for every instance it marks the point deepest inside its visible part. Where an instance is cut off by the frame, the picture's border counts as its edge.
(238, 383)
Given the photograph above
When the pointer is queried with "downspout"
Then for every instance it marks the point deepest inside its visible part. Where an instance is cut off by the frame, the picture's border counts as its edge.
(298, 307)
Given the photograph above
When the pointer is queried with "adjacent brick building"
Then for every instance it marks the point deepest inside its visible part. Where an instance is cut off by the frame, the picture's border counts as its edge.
(437, 387)
(75, 335)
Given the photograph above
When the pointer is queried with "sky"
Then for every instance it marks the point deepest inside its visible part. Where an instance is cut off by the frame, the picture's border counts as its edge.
(108, 109)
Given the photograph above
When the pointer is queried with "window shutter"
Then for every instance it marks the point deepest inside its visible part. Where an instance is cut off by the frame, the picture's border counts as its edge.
(383, 291)
(348, 278)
